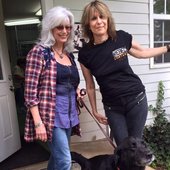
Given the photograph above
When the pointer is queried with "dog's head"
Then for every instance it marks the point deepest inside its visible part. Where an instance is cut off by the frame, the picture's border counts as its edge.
(133, 153)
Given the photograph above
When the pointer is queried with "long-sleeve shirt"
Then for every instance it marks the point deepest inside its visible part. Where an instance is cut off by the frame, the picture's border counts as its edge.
(40, 89)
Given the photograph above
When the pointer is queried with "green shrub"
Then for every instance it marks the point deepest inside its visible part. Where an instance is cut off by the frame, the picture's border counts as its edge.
(157, 135)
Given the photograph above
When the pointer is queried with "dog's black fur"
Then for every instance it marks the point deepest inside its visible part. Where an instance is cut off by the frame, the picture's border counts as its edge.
(132, 154)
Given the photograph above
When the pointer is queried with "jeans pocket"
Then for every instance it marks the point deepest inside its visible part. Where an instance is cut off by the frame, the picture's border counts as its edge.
(140, 97)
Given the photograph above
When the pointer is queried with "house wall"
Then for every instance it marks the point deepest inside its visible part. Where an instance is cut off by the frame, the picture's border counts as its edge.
(132, 16)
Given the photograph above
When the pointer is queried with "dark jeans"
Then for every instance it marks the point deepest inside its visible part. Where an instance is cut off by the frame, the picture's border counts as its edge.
(127, 117)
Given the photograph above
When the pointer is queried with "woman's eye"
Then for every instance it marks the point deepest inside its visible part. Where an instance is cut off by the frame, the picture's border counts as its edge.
(93, 18)
(102, 17)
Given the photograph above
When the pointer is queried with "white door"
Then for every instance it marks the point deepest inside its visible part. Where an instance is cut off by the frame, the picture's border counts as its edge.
(9, 130)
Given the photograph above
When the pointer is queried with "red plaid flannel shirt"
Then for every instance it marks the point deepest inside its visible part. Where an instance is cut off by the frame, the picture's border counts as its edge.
(40, 90)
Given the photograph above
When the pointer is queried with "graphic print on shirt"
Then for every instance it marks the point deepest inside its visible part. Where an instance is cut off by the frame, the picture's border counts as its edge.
(119, 53)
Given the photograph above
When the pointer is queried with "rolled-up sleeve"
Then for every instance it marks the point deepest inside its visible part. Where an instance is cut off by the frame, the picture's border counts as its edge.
(34, 65)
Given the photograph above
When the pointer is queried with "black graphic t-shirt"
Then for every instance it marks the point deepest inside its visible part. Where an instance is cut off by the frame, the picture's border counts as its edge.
(108, 63)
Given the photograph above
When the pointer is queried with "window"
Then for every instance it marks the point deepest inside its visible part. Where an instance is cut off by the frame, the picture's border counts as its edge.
(160, 24)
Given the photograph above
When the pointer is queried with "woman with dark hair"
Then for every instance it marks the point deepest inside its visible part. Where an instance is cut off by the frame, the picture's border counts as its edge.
(105, 57)
(51, 88)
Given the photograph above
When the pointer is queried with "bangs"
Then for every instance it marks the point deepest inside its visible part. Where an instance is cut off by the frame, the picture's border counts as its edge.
(63, 20)
(100, 9)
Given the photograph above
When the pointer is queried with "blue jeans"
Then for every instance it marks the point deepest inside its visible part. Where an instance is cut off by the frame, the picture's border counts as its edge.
(127, 117)
(60, 158)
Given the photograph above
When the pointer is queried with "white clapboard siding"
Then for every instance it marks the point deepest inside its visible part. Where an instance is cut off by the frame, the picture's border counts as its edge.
(144, 69)
(134, 61)
(127, 7)
(153, 87)
(131, 16)
(133, 29)
(155, 77)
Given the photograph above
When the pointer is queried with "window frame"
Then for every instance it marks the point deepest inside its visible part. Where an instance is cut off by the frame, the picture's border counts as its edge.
(152, 18)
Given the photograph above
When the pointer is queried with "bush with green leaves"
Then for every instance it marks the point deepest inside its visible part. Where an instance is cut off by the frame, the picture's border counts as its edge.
(157, 135)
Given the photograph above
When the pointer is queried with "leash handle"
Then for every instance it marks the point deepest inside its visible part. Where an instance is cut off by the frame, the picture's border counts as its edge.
(81, 103)
(83, 92)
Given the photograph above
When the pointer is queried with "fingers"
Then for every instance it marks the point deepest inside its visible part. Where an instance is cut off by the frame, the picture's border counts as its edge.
(101, 119)
(104, 122)
(41, 134)
(41, 137)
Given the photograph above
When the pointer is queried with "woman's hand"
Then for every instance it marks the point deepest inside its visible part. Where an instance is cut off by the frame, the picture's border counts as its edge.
(81, 93)
(40, 129)
(101, 119)
(41, 133)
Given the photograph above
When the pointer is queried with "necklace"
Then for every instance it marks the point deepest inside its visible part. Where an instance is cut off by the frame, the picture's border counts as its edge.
(61, 55)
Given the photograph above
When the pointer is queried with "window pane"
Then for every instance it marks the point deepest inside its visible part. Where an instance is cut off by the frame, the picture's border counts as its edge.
(158, 60)
(158, 30)
(167, 31)
(167, 58)
(159, 6)
(168, 6)
(164, 59)
(161, 30)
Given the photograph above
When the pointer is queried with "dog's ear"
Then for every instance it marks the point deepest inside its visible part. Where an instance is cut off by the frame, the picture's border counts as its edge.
(127, 143)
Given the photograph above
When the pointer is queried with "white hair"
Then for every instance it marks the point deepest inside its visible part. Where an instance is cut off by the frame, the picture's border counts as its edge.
(55, 17)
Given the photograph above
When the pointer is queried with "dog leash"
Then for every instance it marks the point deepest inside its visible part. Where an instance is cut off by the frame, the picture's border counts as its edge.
(82, 104)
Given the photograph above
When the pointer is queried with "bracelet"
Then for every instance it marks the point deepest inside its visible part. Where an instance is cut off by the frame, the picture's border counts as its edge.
(38, 124)
(168, 48)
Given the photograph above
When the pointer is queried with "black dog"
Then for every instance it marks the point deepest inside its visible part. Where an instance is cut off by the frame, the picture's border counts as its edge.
(132, 154)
